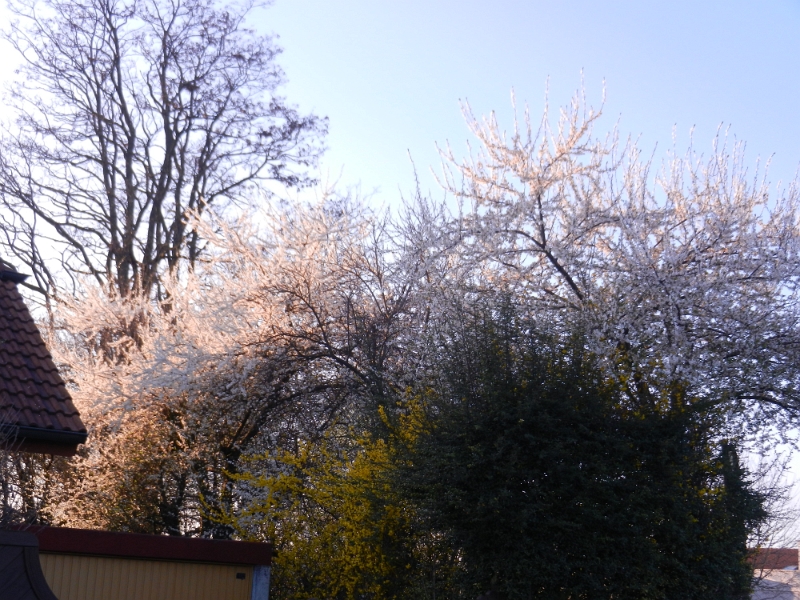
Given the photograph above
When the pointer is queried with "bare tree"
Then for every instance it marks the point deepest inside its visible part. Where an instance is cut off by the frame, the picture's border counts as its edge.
(132, 115)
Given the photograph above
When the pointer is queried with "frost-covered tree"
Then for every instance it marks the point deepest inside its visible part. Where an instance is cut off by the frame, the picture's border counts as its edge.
(275, 337)
(684, 272)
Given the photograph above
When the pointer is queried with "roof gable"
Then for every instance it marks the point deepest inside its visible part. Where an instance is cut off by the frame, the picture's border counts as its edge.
(35, 406)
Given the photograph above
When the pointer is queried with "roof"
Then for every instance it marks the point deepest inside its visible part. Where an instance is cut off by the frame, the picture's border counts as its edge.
(36, 409)
(774, 558)
(21, 575)
(65, 540)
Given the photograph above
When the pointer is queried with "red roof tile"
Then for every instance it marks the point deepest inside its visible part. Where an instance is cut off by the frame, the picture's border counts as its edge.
(774, 558)
(34, 402)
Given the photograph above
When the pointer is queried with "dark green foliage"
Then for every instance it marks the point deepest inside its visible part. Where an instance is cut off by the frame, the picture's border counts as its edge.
(549, 480)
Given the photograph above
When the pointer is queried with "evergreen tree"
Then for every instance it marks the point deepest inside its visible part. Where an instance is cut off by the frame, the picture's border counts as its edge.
(550, 480)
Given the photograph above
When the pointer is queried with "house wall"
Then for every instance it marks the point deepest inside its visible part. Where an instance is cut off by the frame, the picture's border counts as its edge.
(76, 577)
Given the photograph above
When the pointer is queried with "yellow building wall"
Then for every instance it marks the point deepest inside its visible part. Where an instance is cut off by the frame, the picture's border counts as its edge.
(73, 577)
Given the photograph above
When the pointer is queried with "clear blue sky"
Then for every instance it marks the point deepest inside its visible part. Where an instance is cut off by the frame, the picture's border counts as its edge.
(390, 74)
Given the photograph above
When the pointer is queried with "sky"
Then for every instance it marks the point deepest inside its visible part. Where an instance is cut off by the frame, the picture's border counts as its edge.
(391, 76)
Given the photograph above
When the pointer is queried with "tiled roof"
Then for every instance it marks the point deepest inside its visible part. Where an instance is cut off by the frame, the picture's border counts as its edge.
(774, 558)
(34, 402)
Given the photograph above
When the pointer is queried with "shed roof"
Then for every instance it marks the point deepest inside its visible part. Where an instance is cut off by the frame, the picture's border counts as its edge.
(36, 410)
(65, 540)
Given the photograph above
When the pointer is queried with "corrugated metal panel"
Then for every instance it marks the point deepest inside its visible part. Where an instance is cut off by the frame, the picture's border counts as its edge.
(74, 577)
